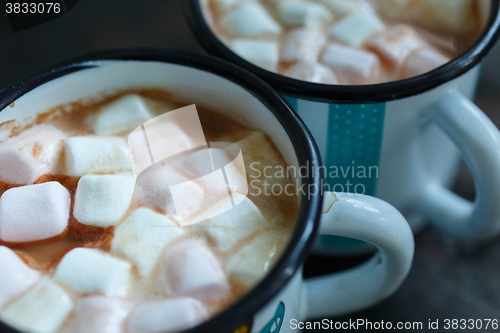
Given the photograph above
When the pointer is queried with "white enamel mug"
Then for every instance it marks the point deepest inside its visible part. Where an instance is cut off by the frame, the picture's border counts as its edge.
(246, 99)
(399, 141)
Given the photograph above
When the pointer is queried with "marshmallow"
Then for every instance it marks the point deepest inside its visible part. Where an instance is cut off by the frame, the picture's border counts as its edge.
(100, 314)
(312, 72)
(339, 7)
(266, 156)
(249, 20)
(171, 315)
(352, 66)
(214, 174)
(16, 278)
(164, 136)
(254, 260)
(187, 200)
(356, 27)
(102, 200)
(86, 154)
(164, 188)
(225, 5)
(395, 44)
(302, 45)
(453, 16)
(422, 61)
(124, 114)
(88, 270)
(219, 171)
(143, 236)
(34, 152)
(231, 227)
(206, 162)
(191, 269)
(447, 16)
(34, 212)
(43, 309)
(309, 14)
(261, 53)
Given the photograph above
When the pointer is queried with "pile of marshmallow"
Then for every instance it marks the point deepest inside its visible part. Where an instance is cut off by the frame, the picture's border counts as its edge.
(338, 41)
(158, 276)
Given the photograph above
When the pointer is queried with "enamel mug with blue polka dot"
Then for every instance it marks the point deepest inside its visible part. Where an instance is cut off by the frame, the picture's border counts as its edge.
(407, 152)
(401, 141)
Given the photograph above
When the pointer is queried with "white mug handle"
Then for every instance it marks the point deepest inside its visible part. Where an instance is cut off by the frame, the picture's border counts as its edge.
(478, 140)
(371, 220)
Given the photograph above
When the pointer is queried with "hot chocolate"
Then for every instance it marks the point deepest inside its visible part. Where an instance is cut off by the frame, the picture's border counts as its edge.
(87, 249)
(350, 42)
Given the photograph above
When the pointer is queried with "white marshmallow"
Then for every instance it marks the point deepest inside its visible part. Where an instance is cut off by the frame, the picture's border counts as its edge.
(448, 16)
(252, 262)
(225, 5)
(187, 200)
(17, 277)
(171, 315)
(231, 227)
(100, 314)
(261, 53)
(266, 156)
(191, 269)
(124, 114)
(143, 236)
(210, 168)
(34, 212)
(395, 44)
(88, 270)
(355, 28)
(309, 14)
(352, 66)
(102, 200)
(422, 61)
(164, 188)
(302, 45)
(164, 136)
(312, 72)
(249, 20)
(208, 161)
(43, 309)
(87, 154)
(339, 7)
(34, 152)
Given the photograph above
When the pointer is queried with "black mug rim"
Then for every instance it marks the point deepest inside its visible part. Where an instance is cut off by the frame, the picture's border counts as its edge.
(349, 94)
(243, 310)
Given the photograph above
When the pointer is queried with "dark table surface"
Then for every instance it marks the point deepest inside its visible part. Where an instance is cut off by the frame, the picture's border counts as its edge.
(447, 280)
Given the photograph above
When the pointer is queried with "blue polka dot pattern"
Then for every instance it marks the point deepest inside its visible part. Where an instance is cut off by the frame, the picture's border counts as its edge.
(353, 147)
(349, 137)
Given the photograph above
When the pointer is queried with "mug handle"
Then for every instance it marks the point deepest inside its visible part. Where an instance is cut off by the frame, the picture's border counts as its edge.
(371, 220)
(478, 140)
